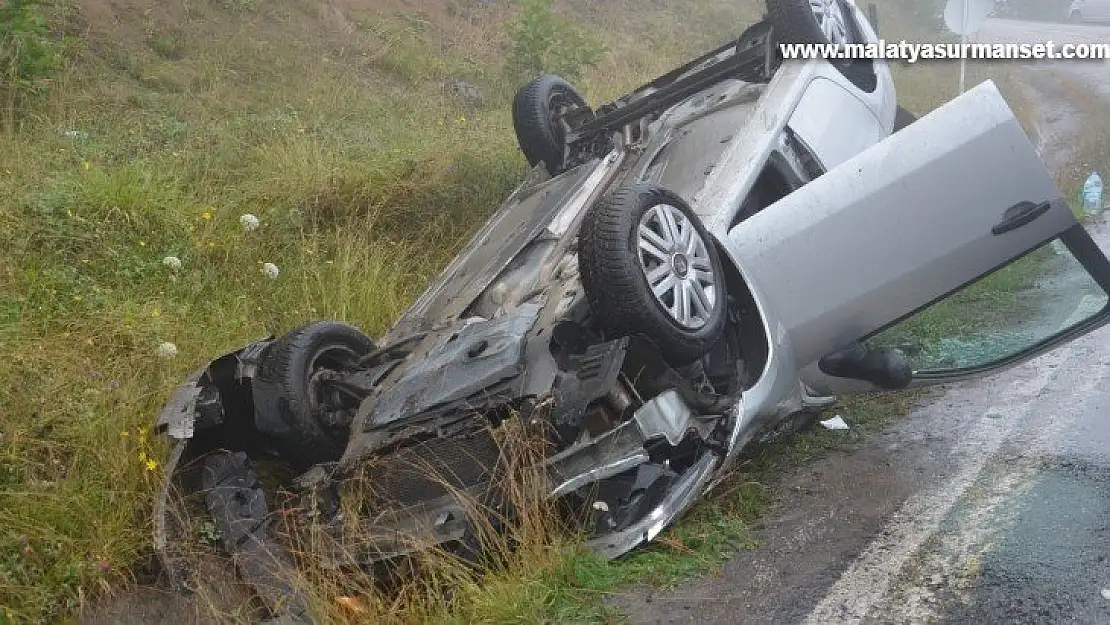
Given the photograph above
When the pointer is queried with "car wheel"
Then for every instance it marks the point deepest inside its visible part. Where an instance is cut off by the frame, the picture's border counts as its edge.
(812, 21)
(650, 267)
(536, 108)
(290, 399)
(1075, 17)
(903, 118)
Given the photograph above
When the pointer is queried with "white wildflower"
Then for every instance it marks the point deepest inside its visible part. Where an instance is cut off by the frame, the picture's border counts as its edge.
(167, 350)
(249, 222)
(172, 262)
(270, 270)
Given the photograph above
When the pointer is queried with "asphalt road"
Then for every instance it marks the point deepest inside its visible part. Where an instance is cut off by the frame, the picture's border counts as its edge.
(990, 503)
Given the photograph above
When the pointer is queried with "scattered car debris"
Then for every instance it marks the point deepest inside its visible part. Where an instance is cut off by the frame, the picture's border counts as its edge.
(237, 503)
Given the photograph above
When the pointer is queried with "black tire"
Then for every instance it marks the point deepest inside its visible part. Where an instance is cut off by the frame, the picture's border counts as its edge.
(1075, 17)
(617, 288)
(286, 401)
(903, 118)
(534, 111)
(795, 22)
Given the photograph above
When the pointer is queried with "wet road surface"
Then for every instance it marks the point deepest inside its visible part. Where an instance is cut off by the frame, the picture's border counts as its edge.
(989, 503)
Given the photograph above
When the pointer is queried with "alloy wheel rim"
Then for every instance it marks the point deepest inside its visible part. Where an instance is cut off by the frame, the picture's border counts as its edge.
(830, 18)
(676, 264)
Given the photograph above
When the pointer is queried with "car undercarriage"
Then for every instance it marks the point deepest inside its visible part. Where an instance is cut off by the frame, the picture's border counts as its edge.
(628, 438)
(638, 310)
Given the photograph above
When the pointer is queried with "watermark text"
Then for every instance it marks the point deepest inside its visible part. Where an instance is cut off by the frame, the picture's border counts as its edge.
(911, 52)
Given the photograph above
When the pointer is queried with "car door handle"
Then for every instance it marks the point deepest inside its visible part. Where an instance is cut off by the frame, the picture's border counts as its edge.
(1020, 214)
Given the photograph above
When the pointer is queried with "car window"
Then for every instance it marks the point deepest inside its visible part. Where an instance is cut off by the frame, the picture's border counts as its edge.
(1008, 312)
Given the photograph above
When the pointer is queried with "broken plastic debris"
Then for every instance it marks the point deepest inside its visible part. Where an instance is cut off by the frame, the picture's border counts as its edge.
(270, 270)
(172, 262)
(249, 222)
(1106, 593)
(835, 423)
(76, 135)
(1092, 194)
(167, 350)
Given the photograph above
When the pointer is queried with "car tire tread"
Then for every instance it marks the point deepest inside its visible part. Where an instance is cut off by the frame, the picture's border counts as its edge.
(280, 390)
(615, 286)
(537, 139)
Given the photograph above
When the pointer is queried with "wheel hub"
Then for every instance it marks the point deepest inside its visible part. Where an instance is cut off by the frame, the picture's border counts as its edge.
(323, 367)
(680, 265)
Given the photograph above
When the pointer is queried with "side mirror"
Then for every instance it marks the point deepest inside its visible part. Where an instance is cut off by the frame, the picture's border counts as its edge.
(887, 368)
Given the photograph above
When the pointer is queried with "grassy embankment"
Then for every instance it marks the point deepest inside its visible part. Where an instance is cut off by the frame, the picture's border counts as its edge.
(333, 123)
(336, 127)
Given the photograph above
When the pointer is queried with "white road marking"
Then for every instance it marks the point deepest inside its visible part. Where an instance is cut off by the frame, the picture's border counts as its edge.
(870, 581)
(872, 575)
(951, 558)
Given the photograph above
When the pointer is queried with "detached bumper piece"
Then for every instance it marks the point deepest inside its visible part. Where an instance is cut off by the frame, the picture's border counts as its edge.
(237, 503)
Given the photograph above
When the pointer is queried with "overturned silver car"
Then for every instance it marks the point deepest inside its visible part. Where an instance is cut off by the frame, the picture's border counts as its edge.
(686, 267)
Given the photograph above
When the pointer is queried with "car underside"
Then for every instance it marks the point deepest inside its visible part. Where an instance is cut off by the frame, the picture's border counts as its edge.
(631, 432)
(600, 323)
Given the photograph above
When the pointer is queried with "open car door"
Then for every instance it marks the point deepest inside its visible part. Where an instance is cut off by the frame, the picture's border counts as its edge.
(947, 244)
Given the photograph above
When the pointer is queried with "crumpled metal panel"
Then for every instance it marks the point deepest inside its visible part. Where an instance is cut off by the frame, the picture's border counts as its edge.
(592, 375)
(666, 416)
(179, 414)
(476, 357)
(521, 218)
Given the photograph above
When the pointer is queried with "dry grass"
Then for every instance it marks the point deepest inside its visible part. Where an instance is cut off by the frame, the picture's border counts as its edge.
(1092, 146)
(515, 574)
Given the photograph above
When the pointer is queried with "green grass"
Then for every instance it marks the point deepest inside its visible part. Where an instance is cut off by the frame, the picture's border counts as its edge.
(338, 132)
(1092, 147)
(987, 314)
